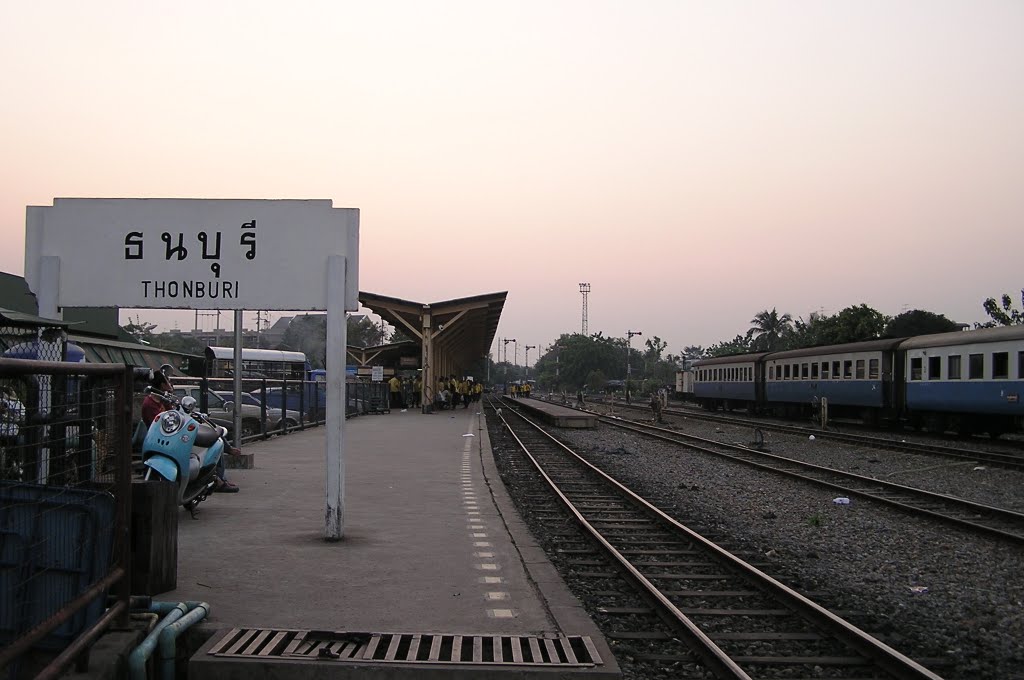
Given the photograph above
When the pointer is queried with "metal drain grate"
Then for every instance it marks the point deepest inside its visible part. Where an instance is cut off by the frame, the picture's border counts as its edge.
(412, 648)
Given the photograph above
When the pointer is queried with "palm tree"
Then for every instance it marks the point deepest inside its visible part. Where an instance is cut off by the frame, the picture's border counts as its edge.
(768, 328)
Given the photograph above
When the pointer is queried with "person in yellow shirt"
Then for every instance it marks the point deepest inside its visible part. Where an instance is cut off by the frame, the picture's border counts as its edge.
(395, 391)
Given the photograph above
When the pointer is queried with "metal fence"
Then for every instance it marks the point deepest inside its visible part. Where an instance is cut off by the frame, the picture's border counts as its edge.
(65, 494)
(270, 407)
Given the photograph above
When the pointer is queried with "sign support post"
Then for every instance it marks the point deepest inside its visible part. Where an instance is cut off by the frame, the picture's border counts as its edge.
(337, 340)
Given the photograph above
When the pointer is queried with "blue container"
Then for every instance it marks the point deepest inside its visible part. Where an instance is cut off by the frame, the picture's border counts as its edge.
(55, 542)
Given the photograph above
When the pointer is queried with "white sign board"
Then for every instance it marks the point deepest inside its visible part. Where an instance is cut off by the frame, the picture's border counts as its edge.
(377, 373)
(193, 253)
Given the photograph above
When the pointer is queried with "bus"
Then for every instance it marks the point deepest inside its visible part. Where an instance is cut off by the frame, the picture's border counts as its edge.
(272, 364)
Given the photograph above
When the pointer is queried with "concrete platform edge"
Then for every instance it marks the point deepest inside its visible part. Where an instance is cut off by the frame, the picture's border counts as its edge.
(566, 612)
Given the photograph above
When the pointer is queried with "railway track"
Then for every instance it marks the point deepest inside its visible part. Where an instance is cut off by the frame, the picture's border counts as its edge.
(997, 522)
(739, 622)
(1010, 461)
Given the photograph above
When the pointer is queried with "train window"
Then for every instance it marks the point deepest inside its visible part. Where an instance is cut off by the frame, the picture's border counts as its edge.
(873, 369)
(935, 368)
(785, 372)
(953, 368)
(1020, 365)
(804, 372)
(848, 370)
(975, 366)
(814, 371)
(1000, 365)
(824, 370)
(915, 368)
(836, 375)
(860, 369)
(771, 371)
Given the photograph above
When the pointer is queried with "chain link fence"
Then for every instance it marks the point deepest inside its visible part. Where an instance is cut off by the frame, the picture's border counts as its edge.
(65, 492)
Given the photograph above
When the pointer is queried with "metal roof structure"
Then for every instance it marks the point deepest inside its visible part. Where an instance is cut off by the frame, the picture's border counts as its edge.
(453, 334)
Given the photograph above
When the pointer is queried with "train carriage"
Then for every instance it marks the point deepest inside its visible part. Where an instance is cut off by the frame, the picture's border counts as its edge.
(856, 379)
(728, 382)
(966, 381)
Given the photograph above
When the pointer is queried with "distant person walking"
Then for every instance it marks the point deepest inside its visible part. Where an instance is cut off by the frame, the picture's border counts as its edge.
(395, 391)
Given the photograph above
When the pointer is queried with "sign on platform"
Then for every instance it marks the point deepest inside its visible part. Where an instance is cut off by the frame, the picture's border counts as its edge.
(193, 253)
(377, 373)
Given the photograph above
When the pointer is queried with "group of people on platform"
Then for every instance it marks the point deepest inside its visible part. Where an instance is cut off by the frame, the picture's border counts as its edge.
(405, 393)
(516, 391)
(452, 391)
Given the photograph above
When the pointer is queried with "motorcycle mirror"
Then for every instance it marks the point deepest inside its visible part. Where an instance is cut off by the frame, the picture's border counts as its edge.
(188, 404)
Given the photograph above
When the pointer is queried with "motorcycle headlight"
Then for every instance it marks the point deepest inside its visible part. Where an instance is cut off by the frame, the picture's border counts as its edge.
(170, 422)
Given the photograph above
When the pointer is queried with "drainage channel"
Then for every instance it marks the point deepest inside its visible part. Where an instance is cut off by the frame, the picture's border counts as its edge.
(552, 652)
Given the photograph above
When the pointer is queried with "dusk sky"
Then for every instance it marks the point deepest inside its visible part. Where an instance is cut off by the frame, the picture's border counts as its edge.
(695, 162)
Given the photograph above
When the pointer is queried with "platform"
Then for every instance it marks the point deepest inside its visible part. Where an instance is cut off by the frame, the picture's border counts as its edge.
(555, 414)
(434, 554)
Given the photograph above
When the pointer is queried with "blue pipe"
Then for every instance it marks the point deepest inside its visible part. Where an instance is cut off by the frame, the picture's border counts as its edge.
(169, 636)
(177, 618)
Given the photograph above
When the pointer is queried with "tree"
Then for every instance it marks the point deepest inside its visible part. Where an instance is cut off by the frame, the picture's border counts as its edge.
(768, 329)
(1007, 315)
(919, 322)
(853, 324)
(179, 342)
(362, 332)
(738, 345)
(308, 334)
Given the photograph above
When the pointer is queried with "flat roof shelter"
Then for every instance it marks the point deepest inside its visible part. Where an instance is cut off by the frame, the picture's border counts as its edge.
(453, 334)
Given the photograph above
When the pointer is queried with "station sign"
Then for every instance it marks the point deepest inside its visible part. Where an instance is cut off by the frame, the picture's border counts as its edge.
(193, 253)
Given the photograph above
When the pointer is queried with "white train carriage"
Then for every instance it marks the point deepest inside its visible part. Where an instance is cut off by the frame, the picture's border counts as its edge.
(969, 381)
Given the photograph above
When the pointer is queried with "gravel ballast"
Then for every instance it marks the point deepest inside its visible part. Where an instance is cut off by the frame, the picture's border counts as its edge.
(945, 596)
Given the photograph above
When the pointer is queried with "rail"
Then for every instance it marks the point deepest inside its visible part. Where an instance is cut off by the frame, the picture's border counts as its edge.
(616, 517)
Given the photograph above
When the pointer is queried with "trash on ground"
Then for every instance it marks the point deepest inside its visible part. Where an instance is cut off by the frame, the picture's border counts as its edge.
(842, 500)
(404, 410)
(919, 590)
(469, 434)
(978, 468)
(811, 437)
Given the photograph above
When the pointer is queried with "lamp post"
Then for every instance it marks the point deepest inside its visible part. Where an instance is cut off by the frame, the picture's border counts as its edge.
(629, 342)
(526, 359)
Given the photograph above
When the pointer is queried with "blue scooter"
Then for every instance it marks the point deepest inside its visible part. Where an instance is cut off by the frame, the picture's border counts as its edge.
(184, 447)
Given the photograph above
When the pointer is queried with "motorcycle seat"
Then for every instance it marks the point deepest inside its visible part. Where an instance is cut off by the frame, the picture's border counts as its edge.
(207, 435)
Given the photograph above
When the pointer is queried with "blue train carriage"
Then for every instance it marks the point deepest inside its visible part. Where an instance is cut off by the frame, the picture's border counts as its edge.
(728, 383)
(856, 378)
(965, 381)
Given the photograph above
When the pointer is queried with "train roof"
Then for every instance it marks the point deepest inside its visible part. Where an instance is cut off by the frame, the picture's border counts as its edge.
(730, 359)
(980, 335)
(845, 348)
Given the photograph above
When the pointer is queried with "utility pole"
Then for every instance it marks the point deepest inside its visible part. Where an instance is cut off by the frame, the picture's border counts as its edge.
(526, 359)
(585, 290)
(629, 342)
(505, 343)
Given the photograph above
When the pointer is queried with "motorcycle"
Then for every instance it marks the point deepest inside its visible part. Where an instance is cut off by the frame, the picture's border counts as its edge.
(183, 446)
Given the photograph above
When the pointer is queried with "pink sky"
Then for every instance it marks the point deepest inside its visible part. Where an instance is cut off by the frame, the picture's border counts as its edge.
(696, 162)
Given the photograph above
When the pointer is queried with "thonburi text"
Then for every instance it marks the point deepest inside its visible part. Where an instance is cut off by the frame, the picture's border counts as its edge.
(186, 290)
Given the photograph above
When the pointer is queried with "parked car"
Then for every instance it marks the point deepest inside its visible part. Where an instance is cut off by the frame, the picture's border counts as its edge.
(247, 398)
(217, 409)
